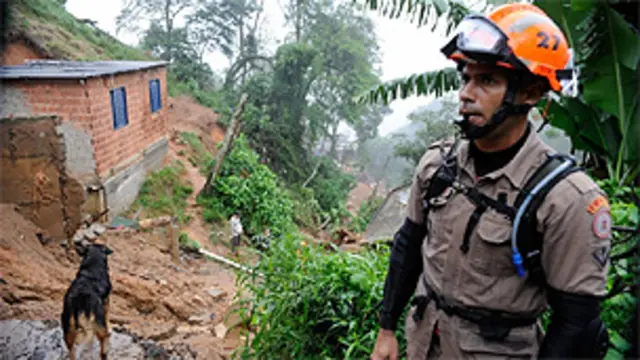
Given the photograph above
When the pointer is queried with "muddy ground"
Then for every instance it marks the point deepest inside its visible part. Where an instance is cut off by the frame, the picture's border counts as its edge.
(153, 298)
(159, 308)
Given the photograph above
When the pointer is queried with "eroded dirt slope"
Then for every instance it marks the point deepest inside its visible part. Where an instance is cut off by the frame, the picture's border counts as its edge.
(152, 297)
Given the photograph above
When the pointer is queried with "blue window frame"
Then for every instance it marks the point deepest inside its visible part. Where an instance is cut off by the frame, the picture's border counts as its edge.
(119, 107)
(154, 95)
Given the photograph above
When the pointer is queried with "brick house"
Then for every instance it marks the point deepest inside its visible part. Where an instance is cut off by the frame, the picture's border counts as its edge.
(109, 116)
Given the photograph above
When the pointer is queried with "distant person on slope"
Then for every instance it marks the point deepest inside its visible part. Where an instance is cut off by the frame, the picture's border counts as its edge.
(236, 232)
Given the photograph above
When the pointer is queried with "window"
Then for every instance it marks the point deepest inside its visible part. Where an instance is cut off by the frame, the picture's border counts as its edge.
(119, 107)
(154, 95)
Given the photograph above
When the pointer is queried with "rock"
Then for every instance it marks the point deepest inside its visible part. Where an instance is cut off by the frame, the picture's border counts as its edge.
(153, 351)
(177, 307)
(176, 268)
(220, 330)
(217, 294)
(188, 329)
(160, 333)
(43, 340)
(201, 318)
(162, 282)
(198, 300)
(8, 296)
(98, 229)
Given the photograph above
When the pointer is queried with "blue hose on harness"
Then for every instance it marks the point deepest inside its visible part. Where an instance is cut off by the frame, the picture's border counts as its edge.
(516, 257)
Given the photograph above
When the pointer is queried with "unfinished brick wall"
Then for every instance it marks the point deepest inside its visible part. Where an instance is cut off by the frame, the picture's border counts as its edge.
(87, 104)
(34, 178)
(115, 148)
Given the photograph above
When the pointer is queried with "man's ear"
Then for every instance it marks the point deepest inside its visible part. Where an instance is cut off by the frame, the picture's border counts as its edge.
(533, 92)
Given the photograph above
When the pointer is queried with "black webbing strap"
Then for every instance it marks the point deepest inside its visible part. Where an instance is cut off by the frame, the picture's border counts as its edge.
(494, 324)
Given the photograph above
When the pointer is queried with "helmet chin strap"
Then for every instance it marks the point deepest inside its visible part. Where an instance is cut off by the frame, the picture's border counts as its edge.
(508, 108)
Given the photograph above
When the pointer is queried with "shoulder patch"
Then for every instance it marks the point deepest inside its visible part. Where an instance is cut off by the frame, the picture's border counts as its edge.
(601, 224)
(597, 204)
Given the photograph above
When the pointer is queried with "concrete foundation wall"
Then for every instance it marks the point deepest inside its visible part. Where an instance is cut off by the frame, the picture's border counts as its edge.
(122, 189)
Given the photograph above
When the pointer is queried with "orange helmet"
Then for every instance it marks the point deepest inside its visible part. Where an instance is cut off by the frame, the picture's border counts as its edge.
(517, 36)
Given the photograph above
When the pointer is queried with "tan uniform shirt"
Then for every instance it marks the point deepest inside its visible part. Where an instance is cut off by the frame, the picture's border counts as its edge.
(574, 220)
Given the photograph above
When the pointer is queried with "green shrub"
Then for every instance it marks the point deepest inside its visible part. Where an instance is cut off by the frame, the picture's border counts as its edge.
(249, 187)
(308, 213)
(331, 185)
(313, 303)
(618, 308)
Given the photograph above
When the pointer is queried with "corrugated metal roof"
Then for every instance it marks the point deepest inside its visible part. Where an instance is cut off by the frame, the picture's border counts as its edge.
(55, 69)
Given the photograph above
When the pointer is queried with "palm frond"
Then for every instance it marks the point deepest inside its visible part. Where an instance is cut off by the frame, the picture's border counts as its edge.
(421, 12)
(434, 82)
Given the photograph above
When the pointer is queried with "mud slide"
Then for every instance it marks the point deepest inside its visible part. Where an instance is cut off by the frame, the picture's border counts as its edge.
(172, 305)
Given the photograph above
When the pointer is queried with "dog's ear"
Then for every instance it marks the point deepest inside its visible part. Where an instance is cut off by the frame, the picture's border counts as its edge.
(81, 249)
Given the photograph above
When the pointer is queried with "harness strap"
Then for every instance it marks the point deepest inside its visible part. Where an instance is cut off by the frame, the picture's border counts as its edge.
(471, 225)
(494, 324)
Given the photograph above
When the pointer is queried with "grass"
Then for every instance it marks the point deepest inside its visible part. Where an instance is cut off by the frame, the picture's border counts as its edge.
(66, 37)
(188, 243)
(164, 193)
(200, 156)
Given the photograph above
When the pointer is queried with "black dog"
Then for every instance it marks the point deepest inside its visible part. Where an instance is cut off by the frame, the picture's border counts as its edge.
(86, 303)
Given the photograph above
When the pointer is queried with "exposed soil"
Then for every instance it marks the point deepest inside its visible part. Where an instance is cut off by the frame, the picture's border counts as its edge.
(186, 115)
(359, 194)
(152, 297)
(175, 304)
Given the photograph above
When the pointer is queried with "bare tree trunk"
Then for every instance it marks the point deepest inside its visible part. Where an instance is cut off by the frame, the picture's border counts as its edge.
(232, 132)
(313, 174)
(169, 27)
(298, 20)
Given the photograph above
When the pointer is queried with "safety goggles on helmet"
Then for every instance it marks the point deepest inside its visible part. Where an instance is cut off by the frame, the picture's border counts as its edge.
(478, 39)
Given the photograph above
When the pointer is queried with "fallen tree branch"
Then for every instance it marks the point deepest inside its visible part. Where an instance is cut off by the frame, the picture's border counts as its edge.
(227, 261)
(232, 132)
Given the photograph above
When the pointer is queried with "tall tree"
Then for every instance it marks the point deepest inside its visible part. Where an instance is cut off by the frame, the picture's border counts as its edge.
(348, 56)
(162, 11)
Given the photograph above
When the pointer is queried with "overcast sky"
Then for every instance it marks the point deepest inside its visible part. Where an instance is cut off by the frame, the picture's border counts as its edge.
(405, 48)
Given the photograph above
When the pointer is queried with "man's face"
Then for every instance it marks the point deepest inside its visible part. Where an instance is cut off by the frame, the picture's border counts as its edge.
(483, 88)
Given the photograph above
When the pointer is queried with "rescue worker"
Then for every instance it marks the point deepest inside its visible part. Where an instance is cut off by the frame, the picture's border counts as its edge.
(474, 295)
